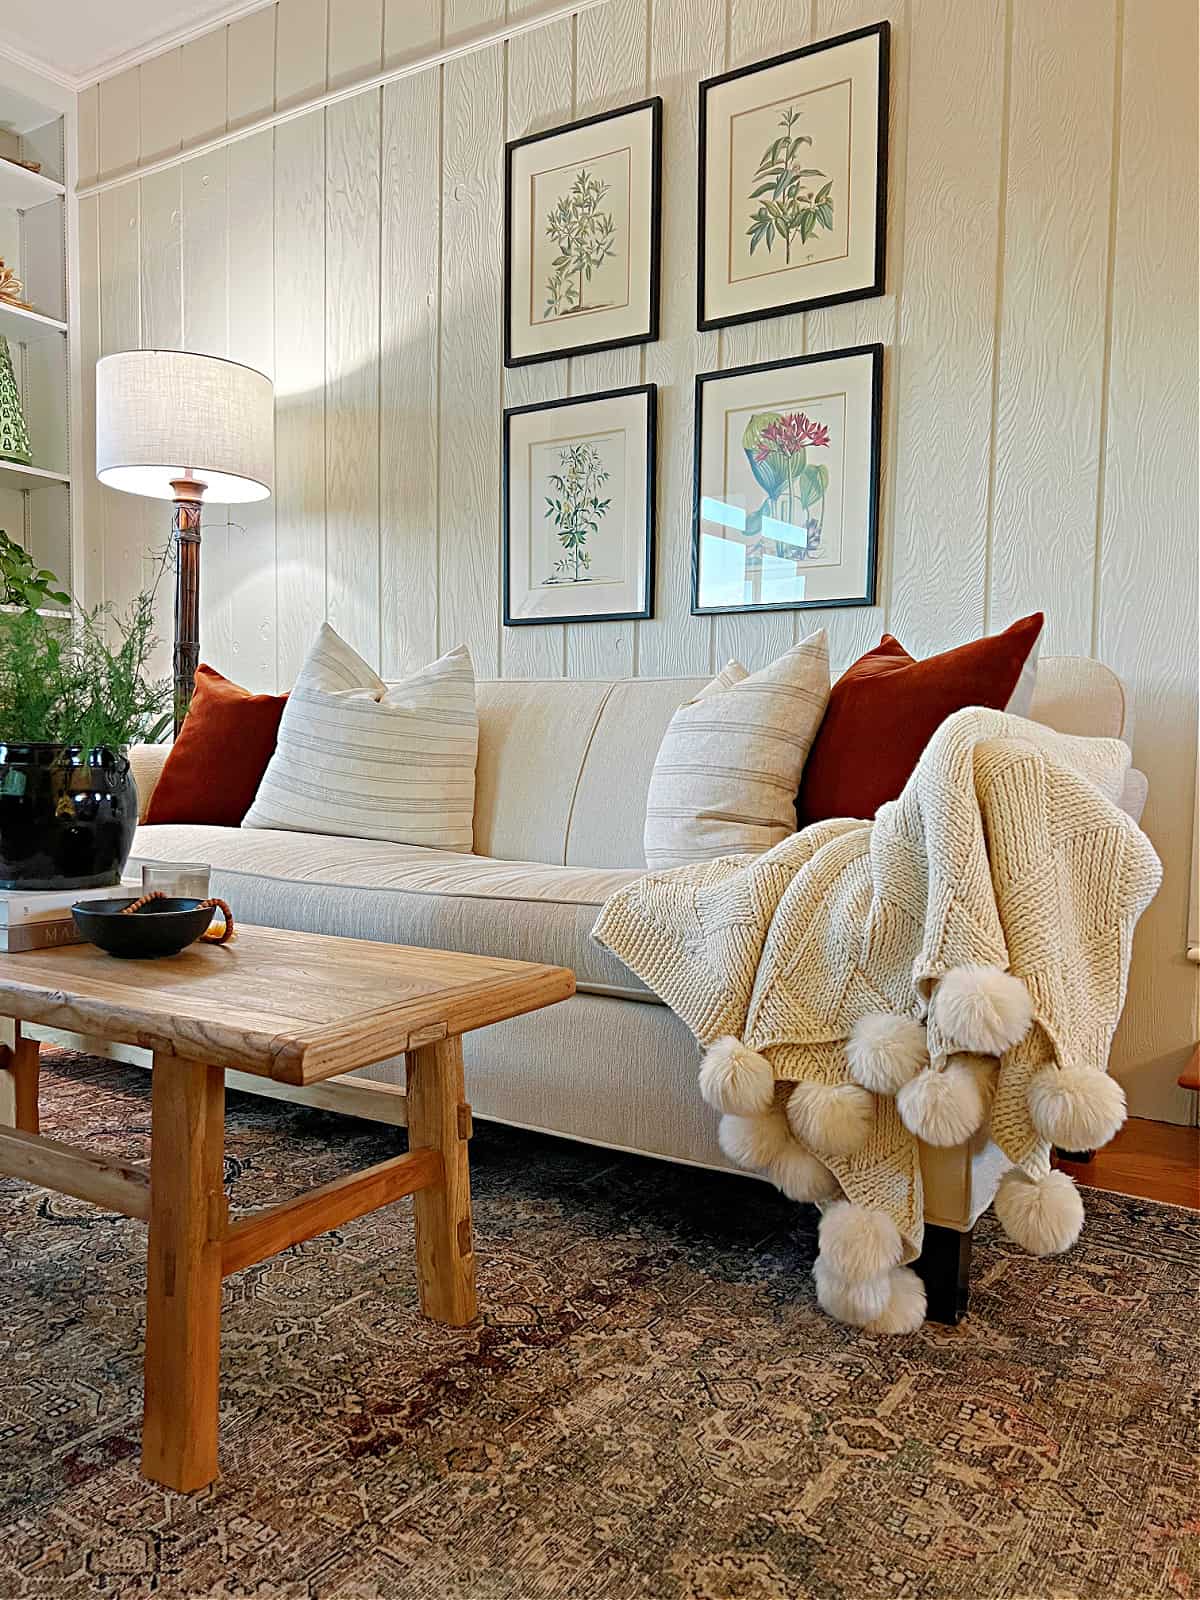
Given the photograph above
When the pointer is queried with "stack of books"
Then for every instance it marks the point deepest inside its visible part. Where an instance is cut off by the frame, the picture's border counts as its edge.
(38, 920)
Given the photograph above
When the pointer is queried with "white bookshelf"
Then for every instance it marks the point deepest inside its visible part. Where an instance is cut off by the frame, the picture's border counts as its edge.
(36, 500)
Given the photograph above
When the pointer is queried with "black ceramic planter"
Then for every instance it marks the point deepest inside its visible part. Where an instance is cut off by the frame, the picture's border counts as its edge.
(67, 816)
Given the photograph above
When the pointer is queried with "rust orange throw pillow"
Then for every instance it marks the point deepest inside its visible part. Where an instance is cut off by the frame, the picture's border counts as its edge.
(884, 710)
(220, 755)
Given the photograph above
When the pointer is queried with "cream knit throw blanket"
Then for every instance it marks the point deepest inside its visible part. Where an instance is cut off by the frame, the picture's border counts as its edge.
(1006, 858)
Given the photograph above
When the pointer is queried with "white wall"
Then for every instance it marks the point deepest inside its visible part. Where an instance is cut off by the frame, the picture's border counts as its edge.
(1040, 323)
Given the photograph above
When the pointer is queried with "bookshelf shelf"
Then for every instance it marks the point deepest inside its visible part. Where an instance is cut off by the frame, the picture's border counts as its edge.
(21, 188)
(15, 476)
(23, 326)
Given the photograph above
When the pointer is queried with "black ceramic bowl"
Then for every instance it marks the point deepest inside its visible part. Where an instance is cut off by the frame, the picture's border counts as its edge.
(161, 928)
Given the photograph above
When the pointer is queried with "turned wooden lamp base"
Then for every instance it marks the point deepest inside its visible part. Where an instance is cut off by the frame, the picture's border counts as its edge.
(186, 525)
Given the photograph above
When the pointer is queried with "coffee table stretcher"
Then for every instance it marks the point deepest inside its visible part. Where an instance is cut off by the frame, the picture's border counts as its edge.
(193, 1243)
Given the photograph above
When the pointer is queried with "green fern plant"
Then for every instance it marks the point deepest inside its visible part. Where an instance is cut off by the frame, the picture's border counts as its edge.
(84, 683)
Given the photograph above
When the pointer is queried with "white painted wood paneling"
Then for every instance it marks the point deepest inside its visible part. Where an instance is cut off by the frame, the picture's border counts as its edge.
(611, 70)
(203, 79)
(159, 94)
(205, 324)
(687, 43)
(1039, 421)
(1050, 373)
(299, 387)
(161, 326)
(251, 66)
(952, 187)
(410, 27)
(1146, 620)
(539, 96)
(352, 371)
(469, 420)
(355, 41)
(409, 372)
(250, 188)
(301, 36)
(125, 517)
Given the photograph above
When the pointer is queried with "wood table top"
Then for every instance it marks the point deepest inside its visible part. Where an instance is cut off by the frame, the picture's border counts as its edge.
(297, 1007)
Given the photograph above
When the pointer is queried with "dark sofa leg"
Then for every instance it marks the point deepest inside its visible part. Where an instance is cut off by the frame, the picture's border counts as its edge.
(944, 1266)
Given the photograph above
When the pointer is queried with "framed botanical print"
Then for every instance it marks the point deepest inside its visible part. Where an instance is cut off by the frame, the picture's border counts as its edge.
(786, 507)
(578, 490)
(793, 180)
(581, 245)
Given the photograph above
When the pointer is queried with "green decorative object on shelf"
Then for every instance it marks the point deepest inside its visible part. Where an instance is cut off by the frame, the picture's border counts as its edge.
(14, 436)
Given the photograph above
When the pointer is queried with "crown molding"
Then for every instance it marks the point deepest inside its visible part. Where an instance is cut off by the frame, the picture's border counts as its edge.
(110, 66)
(40, 69)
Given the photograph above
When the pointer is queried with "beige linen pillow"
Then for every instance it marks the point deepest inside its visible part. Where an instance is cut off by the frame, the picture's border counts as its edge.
(727, 771)
(370, 760)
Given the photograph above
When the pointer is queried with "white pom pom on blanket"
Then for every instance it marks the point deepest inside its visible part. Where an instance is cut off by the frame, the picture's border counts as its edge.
(1076, 1108)
(754, 1142)
(905, 1310)
(764, 1143)
(943, 1108)
(982, 1009)
(885, 1051)
(858, 1242)
(834, 1119)
(893, 1302)
(736, 1079)
(847, 1301)
(801, 1176)
(986, 1072)
(1042, 1215)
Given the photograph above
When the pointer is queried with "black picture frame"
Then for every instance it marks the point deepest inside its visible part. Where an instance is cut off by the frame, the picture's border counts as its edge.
(654, 105)
(650, 393)
(811, 303)
(875, 352)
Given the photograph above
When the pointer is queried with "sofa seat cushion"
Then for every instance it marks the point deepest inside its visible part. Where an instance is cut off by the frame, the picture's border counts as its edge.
(406, 894)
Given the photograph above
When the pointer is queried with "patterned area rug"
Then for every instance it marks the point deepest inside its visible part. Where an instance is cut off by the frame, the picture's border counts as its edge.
(652, 1408)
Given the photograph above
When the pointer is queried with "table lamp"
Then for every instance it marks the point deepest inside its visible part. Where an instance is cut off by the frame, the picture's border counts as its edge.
(182, 427)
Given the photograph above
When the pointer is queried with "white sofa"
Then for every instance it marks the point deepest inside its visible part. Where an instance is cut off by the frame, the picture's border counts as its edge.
(561, 786)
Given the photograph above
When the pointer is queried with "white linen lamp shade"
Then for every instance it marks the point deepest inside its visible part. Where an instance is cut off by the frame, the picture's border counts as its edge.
(166, 415)
(178, 426)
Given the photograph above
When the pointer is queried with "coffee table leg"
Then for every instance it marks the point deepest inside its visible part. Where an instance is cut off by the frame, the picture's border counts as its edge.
(439, 1119)
(19, 1082)
(183, 1281)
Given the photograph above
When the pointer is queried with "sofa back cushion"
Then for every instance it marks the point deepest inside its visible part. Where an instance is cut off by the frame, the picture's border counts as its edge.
(564, 764)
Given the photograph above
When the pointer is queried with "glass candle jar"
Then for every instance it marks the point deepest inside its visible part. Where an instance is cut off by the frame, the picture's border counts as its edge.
(186, 880)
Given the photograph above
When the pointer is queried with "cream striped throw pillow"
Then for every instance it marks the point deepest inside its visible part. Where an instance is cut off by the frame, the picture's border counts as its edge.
(370, 760)
(726, 775)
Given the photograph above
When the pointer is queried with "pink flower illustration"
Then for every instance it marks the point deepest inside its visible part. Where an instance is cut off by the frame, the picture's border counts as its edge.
(790, 434)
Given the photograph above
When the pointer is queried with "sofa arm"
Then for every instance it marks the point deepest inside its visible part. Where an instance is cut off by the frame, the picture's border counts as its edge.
(147, 761)
(1133, 795)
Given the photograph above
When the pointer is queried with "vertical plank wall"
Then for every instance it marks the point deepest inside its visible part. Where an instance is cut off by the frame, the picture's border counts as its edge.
(1039, 319)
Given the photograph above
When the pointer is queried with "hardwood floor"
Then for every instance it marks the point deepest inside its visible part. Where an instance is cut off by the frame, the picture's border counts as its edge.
(1156, 1160)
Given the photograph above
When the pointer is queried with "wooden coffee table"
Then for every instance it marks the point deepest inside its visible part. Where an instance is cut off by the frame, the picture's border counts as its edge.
(296, 1007)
